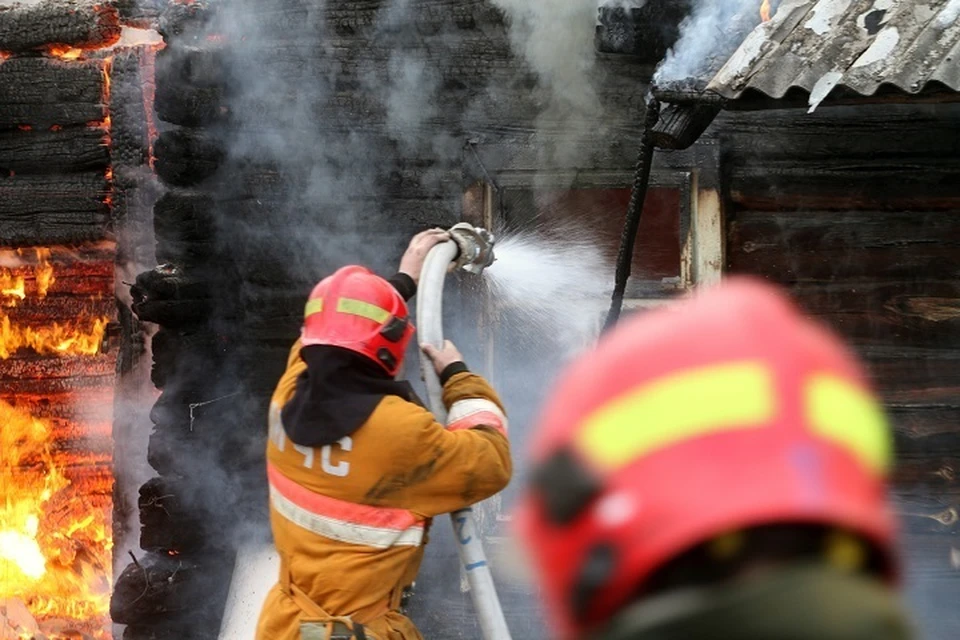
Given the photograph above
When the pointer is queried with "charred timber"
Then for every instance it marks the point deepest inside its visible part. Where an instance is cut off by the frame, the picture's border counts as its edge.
(190, 85)
(33, 367)
(88, 24)
(129, 132)
(179, 352)
(159, 585)
(44, 92)
(682, 125)
(76, 148)
(819, 246)
(171, 518)
(300, 19)
(53, 209)
(186, 22)
(646, 33)
(187, 157)
(184, 215)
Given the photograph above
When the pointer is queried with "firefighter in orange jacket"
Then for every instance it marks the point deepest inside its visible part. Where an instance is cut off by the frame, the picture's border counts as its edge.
(715, 470)
(357, 467)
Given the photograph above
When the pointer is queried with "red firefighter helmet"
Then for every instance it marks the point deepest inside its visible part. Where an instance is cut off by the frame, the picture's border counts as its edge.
(358, 310)
(720, 413)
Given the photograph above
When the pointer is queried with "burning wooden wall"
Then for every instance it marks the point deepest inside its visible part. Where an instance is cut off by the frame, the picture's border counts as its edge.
(68, 185)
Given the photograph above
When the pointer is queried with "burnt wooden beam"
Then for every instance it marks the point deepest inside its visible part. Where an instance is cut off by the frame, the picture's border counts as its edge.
(63, 150)
(129, 130)
(31, 366)
(170, 518)
(88, 24)
(91, 405)
(812, 245)
(191, 84)
(347, 18)
(166, 297)
(755, 138)
(44, 92)
(645, 33)
(53, 209)
(187, 157)
(177, 353)
(185, 229)
(37, 312)
(158, 585)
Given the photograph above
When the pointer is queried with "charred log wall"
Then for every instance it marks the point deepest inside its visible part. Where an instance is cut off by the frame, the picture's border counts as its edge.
(67, 194)
(857, 212)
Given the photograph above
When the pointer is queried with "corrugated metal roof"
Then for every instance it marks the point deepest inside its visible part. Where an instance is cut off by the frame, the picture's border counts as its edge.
(859, 46)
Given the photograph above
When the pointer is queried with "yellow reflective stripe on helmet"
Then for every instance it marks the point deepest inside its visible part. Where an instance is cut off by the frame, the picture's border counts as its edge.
(849, 416)
(363, 309)
(313, 306)
(690, 404)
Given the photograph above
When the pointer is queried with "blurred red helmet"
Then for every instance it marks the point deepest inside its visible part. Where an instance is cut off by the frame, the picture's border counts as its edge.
(725, 411)
(358, 310)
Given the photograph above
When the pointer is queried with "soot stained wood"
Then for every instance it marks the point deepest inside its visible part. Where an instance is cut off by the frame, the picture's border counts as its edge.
(53, 209)
(185, 229)
(829, 246)
(33, 367)
(77, 148)
(78, 23)
(73, 308)
(177, 353)
(159, 585)
(191, 84)
(882, 157)
(129, 132)
(300, 18)
(186, 157)
(866, 131)
(170, 519)
(43, 92)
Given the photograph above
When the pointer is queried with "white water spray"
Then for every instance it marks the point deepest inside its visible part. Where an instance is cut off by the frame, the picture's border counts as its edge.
(556, 286)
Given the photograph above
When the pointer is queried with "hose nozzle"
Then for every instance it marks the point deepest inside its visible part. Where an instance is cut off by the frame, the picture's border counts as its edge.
(476, 247)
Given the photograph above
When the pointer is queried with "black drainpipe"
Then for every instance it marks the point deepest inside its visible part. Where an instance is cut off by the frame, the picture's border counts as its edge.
(641, 182)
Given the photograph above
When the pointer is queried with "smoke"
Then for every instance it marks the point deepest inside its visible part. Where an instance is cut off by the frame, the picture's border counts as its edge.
(708, 36)
(552, 286)
(556, 40)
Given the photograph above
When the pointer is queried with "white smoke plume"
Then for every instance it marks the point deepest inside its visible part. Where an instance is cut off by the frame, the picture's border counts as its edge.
(712, 31)
(556, 39)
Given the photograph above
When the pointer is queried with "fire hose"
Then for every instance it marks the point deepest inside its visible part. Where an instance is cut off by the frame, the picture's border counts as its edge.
(470, 249)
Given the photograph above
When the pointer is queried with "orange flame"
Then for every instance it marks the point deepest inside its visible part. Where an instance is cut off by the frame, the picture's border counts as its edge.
(74, 338)
(765, 11)
(80, 337)
(43, 272)
(12, 286)
(54, 548)
(63, 51)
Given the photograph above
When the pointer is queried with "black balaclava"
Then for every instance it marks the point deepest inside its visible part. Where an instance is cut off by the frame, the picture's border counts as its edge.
(336, 395)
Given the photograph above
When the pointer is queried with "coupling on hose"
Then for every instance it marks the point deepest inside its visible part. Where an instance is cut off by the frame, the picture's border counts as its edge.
(476, 247)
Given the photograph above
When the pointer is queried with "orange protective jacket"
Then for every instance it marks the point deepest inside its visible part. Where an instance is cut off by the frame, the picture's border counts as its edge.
(349, 520)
